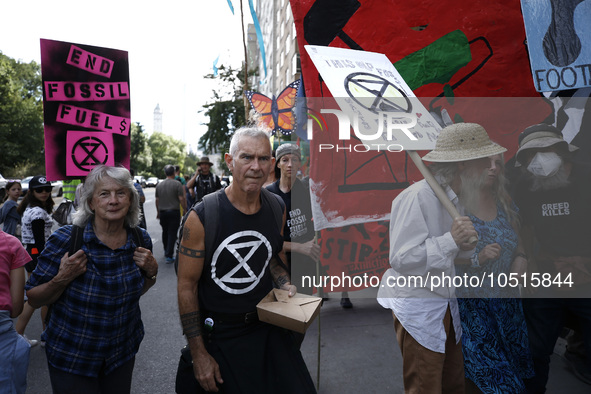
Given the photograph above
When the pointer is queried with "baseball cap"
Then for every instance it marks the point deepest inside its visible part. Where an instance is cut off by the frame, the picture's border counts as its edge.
(39, 181)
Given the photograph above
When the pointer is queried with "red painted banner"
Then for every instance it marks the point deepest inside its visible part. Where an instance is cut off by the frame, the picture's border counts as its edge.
(353, 257)
(447, 52)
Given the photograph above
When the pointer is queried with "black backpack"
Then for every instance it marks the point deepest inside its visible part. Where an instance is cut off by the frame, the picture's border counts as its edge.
(211, 208)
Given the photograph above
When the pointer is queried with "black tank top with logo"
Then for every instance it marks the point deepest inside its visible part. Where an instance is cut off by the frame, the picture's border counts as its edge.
(238, 276)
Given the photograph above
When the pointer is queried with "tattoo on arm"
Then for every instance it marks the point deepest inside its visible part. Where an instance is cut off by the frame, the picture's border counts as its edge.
(191, 252)
(186, 233)
(282, 280)
(278, 273)
(191, 323)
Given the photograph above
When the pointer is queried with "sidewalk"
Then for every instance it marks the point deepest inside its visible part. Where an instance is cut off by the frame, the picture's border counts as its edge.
(359, 352)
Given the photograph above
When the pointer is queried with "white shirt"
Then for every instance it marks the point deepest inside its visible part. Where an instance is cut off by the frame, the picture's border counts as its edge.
(31, 214)
(421, 245)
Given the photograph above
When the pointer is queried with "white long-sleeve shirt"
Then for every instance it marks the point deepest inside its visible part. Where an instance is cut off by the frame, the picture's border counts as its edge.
(31, 214)
(421, 245)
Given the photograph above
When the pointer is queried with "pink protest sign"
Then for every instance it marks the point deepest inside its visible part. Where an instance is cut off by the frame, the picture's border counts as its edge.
(83, 117)
(86, 105)
(88, 150)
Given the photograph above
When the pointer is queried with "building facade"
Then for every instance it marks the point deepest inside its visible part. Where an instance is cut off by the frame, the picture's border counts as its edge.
(281, 49)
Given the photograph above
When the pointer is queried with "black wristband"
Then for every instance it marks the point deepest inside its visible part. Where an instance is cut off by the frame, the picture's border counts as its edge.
(521, 255)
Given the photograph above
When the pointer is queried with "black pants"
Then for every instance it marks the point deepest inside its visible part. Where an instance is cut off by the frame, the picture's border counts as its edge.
(545, 318)
(170, 220)
(255, 358)
(117, 382)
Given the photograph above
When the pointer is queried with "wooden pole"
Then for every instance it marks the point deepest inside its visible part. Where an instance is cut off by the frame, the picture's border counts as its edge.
(437, 189)
(319, 314)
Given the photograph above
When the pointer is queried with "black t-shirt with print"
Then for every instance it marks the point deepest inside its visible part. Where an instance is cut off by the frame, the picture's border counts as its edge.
(561, 218)
(298, 224)
(299, 228)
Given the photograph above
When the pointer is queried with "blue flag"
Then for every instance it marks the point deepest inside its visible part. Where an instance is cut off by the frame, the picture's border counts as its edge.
(231, 6)
(215, 66)
(257, 27)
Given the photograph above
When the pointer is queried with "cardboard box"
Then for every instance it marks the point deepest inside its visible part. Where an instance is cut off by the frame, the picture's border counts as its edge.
(294, 313)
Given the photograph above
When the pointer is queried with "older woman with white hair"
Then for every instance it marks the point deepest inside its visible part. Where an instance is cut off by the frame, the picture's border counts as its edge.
(95, 328)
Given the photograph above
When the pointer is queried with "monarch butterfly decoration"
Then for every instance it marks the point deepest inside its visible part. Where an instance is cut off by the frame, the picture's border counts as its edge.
(276, 113)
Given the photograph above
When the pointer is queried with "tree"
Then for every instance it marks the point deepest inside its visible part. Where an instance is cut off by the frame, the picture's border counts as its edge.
(165, 150)
(190, 165)
(226, 112)
(141, 154)
(21, 118)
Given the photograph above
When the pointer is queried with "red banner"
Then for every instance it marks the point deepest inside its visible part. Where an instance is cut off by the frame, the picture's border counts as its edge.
(446, 51)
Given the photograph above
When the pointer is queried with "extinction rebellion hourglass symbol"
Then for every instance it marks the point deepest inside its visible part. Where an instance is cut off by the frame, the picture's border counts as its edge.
(88, 152)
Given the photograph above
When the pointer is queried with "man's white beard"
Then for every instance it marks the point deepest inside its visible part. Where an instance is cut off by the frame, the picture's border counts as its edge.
(470, 190)
(556, 181)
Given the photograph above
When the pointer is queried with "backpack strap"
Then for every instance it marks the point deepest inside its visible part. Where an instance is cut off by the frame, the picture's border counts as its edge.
(138, 237)
(76, 237)
(211, 207)
(199, 189)
(276, 205)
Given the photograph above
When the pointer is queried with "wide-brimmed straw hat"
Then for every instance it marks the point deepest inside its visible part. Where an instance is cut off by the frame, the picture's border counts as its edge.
(540, 136)
(461, 142)
(204, 160)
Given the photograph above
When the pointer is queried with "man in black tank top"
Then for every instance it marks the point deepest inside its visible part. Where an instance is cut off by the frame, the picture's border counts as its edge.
(218, 290)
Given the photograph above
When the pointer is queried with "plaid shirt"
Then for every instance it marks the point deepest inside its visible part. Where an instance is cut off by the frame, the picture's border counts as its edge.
(96, 323)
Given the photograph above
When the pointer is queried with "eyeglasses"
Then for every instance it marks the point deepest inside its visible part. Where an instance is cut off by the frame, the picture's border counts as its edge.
(43, 189)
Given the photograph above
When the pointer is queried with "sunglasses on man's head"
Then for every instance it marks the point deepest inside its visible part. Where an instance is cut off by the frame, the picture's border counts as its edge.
(43, 189)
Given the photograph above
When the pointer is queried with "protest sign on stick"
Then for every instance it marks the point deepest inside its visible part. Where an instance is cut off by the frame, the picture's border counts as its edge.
(86, 105)
(384, 110)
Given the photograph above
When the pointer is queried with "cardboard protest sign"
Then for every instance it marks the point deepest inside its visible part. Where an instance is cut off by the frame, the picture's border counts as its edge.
(559, 43)
(378, 103)
(86, 104)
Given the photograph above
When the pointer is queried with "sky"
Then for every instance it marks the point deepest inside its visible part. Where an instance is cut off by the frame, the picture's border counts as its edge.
(171, 45)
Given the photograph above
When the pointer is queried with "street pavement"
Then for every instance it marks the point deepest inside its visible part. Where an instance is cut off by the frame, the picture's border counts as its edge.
(358, 351)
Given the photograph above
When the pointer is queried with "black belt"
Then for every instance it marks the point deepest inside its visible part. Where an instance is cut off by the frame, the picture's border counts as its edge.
(233, 318)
